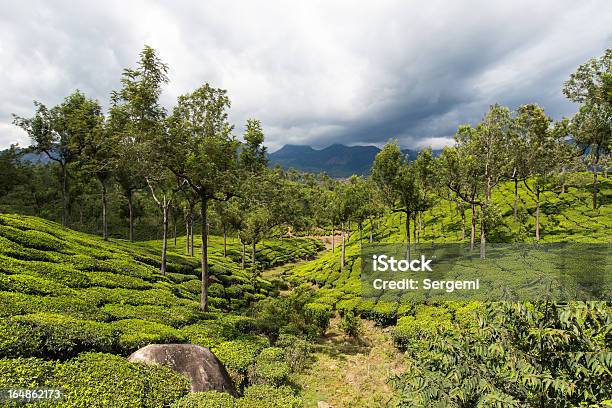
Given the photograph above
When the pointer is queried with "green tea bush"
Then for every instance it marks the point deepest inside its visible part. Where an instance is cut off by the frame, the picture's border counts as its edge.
(32, 239)
(32, 285)
(114, 280)
(350, 324)
(270, 368)
(135, 333)
(175, 316)
(103, 380)
(265, 396)
(209, 399)
(317, 316)
(61, 336)
(297, 351)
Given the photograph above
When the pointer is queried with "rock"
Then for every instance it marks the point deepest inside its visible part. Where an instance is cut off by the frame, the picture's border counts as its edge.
(199, 364)
(323, 404)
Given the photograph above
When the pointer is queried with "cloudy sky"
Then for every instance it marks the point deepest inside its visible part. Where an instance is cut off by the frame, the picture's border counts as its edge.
(316, 73)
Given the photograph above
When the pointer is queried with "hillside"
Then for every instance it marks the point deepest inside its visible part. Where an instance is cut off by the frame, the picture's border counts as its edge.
(65, 295)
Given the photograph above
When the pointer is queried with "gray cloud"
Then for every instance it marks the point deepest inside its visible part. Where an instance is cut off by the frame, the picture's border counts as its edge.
(317, 72)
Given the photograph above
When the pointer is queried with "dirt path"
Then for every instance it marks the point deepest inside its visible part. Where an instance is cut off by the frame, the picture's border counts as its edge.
(349, 373)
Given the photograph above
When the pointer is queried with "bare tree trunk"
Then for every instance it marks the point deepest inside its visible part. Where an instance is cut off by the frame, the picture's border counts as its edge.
(482, 233)
(462, 224)
(563, 180)
(473, 231)
(192, 249)
(174, 224)
(595, 187)
(333, 239)
(64, 193)
(187, 237)
(164, 237)
(342, 253)
(414, 231)
(253, 250)
(515, 199)
(204, 257)
(104, 221)
(130, 217)
(224, 240)
(537, 194)
(243, 255)
(371, 230)
(407, 236)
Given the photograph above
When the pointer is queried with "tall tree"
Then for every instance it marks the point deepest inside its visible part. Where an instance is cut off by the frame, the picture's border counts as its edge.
(58, 133)
(396, 179)
(202, 151)
(590, 86)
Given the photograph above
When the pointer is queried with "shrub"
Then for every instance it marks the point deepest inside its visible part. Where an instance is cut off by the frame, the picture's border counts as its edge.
(103, 380)
(32, 285)
(135, 333)
(270, 367)
(18, 340)
(175, 316)
(296, 350)
(318, 315)
(114, 280)
(25, 372)
(63, 336)
(265, 396)
(351, 324)
(209, 399)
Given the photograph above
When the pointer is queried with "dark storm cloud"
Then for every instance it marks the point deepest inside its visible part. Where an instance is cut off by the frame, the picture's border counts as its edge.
(317, 72)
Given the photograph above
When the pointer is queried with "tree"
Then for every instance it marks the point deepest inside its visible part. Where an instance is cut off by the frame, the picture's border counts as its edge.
(396, 179)
(489, 144)
(95, 148)
(542, 158)
(201, 150)
(59, 132)
(590, 86)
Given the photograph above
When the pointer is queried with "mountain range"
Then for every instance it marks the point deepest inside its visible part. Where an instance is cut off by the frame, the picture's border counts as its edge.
(336, 160)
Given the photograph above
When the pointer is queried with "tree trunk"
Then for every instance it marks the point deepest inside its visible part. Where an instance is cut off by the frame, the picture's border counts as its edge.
(224, 240)
(104, 221)
(563, 180)
(243, 255)
(333, 239)
(407, 236)
(187, 236)
(174, 223)
(342, 253)
(192, 236)
(462, 224)
(130, 217)
(515, 199)
(371, 230)
(253, 250)
(595, 187)
(64, 193)
(473, 231)
(360, 235)
(537, 195)
(482, 233)
(204, 257)
(164, 237)
(414, 231)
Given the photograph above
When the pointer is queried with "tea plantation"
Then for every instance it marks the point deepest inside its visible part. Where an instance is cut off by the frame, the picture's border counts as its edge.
(462, 353)
(73, 306)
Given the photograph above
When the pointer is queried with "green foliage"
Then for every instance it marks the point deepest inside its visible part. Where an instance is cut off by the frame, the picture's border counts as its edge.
(135, 333)
(270, 367)
(97, 380)
(350, 324)
(540, 352)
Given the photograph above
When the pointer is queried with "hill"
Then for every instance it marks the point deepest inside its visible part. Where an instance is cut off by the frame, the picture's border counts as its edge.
(73, 305)
(336, 160)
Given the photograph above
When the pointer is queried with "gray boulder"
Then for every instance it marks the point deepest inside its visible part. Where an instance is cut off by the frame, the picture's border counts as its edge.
(198, 363)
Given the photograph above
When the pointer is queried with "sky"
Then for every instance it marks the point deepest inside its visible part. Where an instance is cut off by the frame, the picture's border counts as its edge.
(313, 72)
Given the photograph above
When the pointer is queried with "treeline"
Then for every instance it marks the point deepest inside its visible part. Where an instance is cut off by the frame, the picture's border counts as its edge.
(187, 172)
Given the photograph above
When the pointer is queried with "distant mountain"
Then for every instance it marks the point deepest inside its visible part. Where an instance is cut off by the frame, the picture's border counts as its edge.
(336, 160)
(30, 157)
